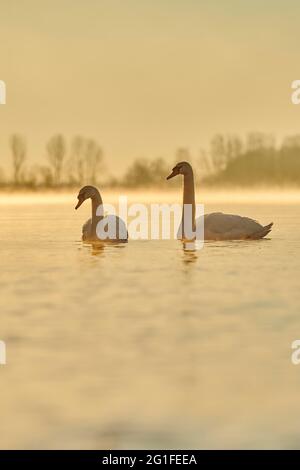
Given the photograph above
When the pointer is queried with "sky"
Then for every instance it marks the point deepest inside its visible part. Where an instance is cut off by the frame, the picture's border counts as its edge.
(145, 77)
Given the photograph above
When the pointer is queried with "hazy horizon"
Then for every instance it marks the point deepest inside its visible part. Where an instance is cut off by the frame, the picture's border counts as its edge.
(144, 78)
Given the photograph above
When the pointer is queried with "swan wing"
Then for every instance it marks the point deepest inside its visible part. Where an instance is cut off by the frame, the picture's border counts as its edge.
(113, 222)
(219, 226)
(113, 228)
(121, 229)
(87, 229)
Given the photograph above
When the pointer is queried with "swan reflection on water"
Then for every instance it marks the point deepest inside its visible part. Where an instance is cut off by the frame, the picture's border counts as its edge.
(190, 251)
(99, 248)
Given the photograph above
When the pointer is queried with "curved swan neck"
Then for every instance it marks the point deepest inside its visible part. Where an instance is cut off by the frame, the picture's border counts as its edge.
(189, 195)
(96, 202)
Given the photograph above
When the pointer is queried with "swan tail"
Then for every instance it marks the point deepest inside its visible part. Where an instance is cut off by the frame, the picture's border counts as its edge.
(261, 233)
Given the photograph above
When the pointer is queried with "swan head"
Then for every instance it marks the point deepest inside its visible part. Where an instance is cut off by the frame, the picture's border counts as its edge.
(181, 168)
(87, 192)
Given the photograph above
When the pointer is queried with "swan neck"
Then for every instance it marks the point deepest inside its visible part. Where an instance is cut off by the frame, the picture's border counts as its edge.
(96, 202)
(189, 195)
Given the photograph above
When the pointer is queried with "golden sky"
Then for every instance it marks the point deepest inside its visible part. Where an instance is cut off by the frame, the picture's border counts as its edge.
(144, 77)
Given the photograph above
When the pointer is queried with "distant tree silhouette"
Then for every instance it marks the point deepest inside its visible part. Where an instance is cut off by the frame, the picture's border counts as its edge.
(18, 148)
(138, 174)
(289, 160)
(45, 175)
(258, 141)
(86, 161)
(56, 149)
(223, 149)
(76, 164)
(93, 160)
(230, 160)
(159, 170)
(1, 176)
(235, 163)
(204, 163)
(217, 152)
(146, 173)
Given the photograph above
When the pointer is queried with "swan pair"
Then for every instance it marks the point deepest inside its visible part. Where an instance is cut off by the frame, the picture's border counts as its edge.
(217, 226)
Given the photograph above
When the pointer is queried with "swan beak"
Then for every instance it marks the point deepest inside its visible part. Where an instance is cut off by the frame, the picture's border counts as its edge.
(80, 201)
(174, 173)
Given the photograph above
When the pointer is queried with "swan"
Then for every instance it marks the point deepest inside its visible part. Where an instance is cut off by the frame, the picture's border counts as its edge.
(90, 230)
(217, 226)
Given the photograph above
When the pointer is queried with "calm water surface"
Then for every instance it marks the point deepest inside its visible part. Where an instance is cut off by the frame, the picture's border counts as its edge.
(146, 345)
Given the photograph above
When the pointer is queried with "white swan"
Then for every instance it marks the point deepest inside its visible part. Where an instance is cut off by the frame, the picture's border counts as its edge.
(109, 227)
(217, 226)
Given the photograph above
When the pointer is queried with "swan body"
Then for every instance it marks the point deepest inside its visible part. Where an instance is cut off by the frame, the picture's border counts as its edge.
(97, 227)
(107, 221)
(217, 226)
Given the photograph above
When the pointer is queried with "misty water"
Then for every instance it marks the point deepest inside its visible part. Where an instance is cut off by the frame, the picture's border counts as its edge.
(146, 344)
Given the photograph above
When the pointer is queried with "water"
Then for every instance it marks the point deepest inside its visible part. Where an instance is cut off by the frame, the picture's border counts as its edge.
(146, 345)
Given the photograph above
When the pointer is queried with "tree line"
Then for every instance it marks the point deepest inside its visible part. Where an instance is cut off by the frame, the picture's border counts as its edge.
(82, 165)
(229, 161)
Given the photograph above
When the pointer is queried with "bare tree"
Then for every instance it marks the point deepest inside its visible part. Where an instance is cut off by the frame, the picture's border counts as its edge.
(234, 148)
(159, 169)
(93, 160)
(146, 173)
(76, 166)
(218, 152)
(138, 174)
(204, 163)
(259, 141)
(86, 161)
(56, 150)
(18, 148)
(45, 176)
(1, 176)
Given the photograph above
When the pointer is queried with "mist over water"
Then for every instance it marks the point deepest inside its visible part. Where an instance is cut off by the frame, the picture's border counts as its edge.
(147, 345)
